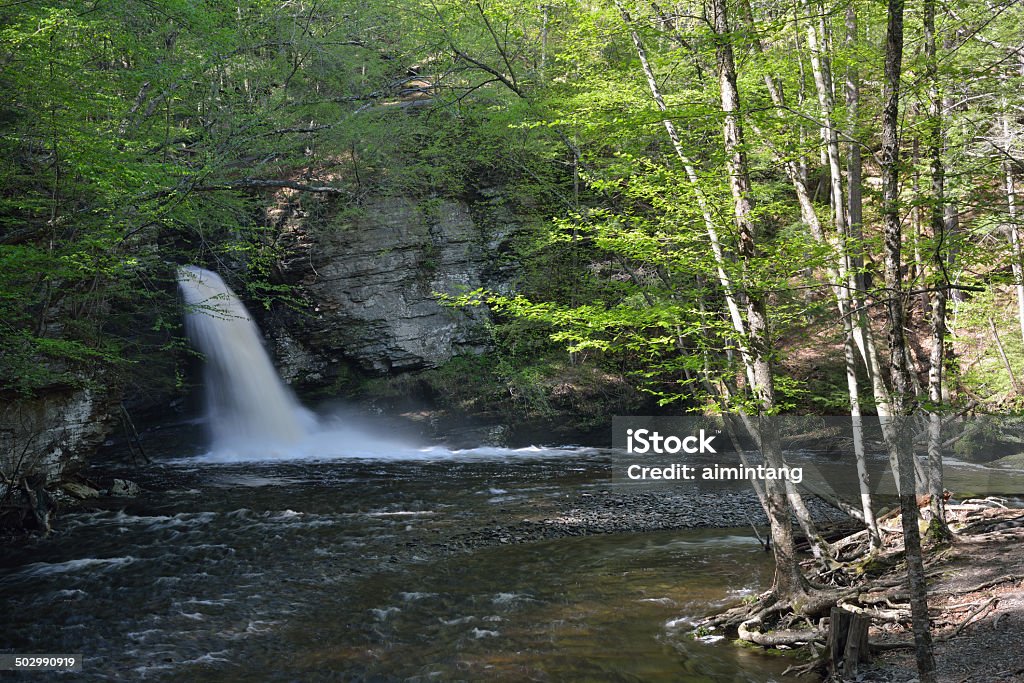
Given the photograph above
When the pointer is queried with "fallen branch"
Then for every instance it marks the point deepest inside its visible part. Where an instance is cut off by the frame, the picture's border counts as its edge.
(1002, 354)
(975, 612)
(987, 584)
(964, 605)
(255, 183)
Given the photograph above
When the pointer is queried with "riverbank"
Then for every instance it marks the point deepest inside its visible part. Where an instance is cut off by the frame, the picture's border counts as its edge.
(976, 601)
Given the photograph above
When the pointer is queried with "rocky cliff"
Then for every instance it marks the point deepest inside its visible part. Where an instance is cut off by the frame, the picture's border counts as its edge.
(43, 440)
(372, 328)
(370, 279)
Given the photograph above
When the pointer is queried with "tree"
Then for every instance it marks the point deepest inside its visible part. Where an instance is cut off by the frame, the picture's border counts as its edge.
(789, 580)
(900, 446)
(939, 281)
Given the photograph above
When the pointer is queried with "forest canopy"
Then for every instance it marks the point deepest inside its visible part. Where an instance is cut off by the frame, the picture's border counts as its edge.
(140, 135)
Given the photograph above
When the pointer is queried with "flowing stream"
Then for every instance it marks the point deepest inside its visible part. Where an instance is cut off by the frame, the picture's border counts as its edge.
(373, 569)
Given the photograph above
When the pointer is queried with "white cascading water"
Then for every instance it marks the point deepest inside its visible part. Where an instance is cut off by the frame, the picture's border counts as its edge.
(247, 403)
(253, 416)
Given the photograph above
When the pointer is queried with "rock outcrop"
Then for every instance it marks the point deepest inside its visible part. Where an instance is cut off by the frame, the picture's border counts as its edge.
(46, 437)
(43, 440)
(371, 280)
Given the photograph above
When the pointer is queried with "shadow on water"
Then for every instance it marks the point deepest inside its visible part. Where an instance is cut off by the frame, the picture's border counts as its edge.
(596, 608)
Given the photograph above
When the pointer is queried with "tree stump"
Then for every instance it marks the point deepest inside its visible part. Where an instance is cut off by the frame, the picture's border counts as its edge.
(847, 642)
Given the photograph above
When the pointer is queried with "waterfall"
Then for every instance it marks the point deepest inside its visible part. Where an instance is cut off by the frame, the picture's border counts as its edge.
(247, 403)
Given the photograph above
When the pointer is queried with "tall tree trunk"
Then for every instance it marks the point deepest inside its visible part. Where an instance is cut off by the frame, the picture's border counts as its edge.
(937, 218)
(855, 197)
(821, 67)
(845, 277)
(855, 276)
(840, 273)
(819, 547)
(900, 445)
(1018, 252)
(789, 580)
(690, 168)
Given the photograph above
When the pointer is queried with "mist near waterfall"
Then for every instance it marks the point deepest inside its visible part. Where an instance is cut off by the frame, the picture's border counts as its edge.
(251, 413)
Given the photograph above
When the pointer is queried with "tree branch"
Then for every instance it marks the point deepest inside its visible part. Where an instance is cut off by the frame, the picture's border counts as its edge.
(257, 183)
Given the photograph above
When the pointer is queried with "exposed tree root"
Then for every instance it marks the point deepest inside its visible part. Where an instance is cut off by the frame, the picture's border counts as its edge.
(751, 631)
(732, 618)
(818, 668)
(767, 621)
(871, 584)
(897, 616)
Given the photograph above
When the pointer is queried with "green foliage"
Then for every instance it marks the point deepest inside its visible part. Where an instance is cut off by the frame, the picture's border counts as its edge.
(128, 135)
(134, 136)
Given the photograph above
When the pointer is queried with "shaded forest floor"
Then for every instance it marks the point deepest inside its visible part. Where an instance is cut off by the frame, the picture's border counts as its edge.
(976, 600)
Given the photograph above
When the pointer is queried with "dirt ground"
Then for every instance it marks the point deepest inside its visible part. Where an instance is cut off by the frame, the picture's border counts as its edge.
(976, 600)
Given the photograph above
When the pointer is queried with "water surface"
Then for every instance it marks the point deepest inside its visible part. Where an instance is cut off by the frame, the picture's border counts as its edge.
(359, 570)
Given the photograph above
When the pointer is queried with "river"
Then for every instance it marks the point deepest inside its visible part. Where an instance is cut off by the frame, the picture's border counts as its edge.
(378, 569)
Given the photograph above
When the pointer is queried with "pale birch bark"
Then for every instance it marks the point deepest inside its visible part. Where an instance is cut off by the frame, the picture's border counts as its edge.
(789, 580)
(702, 202)
(821, 67)
(937, 218)
(840, 272)
(1015, 240)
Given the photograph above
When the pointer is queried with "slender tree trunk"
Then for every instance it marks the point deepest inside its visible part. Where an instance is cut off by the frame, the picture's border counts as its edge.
(689, 167)
(543, 41)
(1002, 354)
(937, 218)
(1018, 252)
(855, 276)
(839, 275)
(819, 547)
(900, 447)
(789, 580)
(855, 197)
(821, 67)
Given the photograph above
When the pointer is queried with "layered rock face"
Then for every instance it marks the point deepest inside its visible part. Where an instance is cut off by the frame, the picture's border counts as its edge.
(44, 439)
(371, 280)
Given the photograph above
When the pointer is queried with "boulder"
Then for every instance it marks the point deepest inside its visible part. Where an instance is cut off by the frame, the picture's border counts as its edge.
(80, 491)
(125, 488)
(1009, 462)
